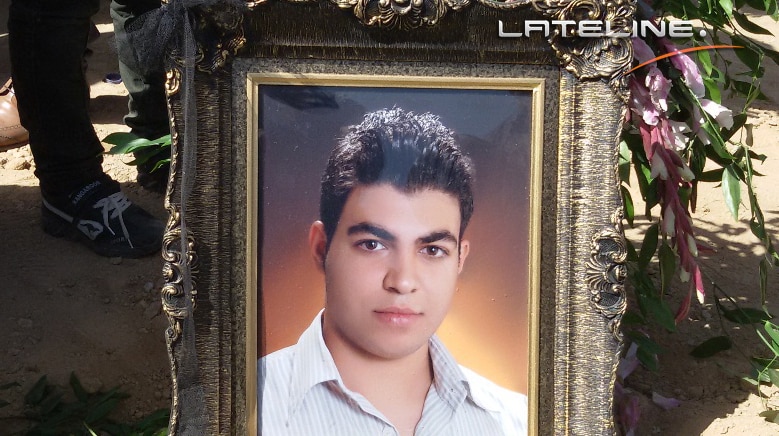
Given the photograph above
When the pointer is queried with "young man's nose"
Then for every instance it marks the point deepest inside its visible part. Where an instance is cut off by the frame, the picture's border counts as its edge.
(401, 275)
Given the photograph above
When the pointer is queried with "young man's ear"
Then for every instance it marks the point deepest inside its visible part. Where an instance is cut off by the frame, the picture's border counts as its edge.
(465, 248)
(317, 242)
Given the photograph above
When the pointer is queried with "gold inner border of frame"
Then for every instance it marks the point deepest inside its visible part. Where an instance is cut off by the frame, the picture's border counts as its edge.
(535, 85)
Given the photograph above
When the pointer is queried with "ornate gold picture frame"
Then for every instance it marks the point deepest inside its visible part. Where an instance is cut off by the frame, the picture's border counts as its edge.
(576, 252)
(300, 116)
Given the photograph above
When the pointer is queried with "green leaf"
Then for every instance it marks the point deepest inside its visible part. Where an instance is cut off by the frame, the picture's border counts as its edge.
(773, 375)
(648, 359)
(660, 312)
(632, 318)
(770, 328)
(627, 202)
(747, 89)
(770, 415)
(36, 393)
(624, 162)
(738, 122)
(711, 175)
(50, 403)
(101, 410)
(748, 55)
(763, 268)
(746, 315)
(704, 57)
(9, 386)
(712, 87)
(717, 143)
(667, 265)
(727, 6)
(731, 189)
(762, 363)
(78, 389)
(749, 26)
(772, 54)
(632, 255)
(643, 341)
(129, 143)
(160, 163)
(711, 347)
(648, 247)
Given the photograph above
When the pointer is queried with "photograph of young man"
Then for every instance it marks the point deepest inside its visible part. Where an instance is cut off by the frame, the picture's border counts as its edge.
(396, 198)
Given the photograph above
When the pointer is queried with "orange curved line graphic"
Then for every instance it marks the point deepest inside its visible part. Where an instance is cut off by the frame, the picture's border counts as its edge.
(686, 50)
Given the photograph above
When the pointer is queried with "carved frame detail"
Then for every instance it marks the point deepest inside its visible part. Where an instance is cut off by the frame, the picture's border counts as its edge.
(587, 256)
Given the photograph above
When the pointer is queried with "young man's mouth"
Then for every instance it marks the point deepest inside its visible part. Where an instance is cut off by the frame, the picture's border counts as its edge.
(398, 316)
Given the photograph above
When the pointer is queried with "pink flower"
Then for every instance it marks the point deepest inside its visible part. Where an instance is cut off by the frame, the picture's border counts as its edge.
(690, 72)
(641, 50)
(675, 134)
(641, 103)
(658, 87)
(665, 402)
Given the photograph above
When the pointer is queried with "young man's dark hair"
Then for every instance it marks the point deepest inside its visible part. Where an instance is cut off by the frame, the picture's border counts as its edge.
(410, 151)
(396, 192)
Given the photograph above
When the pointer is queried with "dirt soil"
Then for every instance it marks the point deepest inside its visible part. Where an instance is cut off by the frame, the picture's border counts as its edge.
(65, 309)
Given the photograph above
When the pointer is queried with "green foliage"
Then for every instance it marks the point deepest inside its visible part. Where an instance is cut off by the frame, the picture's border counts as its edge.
(50, 412)
(144, 150)
(712, 346)
(714, 153)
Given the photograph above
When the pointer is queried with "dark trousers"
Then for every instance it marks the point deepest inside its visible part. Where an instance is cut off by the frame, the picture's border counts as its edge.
(147, 114)
(47, 39)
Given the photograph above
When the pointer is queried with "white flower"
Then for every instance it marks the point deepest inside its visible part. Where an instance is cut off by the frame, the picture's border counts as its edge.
(668, 222)
(658, 167)
(723, 115)
(684, 275)
(692, 246)
(677, 135)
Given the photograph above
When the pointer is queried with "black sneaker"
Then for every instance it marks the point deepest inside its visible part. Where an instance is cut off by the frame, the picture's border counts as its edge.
(104, 219)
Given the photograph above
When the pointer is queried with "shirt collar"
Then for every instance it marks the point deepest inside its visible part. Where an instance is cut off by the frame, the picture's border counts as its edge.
(313, 364)
(452, 382)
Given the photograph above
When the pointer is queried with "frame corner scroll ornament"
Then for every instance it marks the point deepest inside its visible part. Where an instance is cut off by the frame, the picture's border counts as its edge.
(222, 26)
(606, 273)
(591, 58)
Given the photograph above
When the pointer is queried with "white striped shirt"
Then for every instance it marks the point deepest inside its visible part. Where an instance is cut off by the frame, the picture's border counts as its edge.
(302, 394)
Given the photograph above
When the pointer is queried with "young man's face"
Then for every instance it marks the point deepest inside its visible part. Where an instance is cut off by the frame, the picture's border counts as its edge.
(390, 271)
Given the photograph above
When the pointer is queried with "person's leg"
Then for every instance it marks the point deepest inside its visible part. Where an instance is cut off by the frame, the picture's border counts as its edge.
(147, 114)
(47, 39)
(46, 43)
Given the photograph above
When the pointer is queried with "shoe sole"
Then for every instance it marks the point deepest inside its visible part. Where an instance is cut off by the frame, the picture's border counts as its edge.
(56, 226)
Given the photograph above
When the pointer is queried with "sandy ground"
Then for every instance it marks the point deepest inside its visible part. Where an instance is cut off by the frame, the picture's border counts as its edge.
(64, 309)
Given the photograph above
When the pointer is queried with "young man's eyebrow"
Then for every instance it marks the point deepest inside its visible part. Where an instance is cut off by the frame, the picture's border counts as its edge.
(443, 235)
(373, 229)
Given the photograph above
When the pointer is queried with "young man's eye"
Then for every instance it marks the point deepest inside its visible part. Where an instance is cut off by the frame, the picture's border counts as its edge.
(371, 245)
(434, 251)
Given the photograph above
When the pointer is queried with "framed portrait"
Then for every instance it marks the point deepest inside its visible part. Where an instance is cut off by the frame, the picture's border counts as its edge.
(265, 94)
(499, 125)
